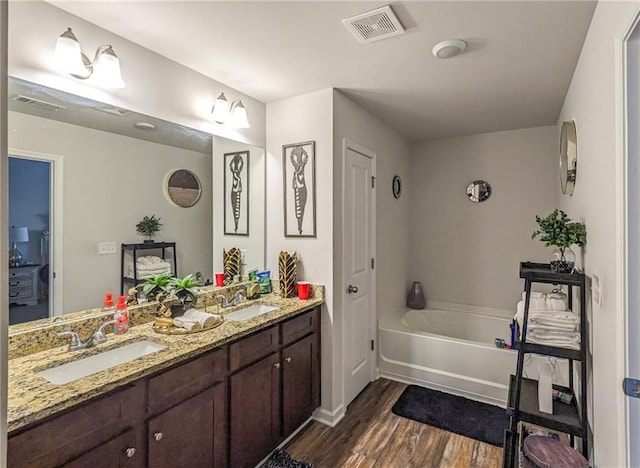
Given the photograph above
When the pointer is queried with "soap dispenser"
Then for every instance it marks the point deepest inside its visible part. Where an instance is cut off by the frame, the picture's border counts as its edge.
(108, 305)
(121, 316)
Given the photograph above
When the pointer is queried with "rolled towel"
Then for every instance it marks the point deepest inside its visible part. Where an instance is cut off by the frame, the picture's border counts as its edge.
(153, 266)
(557, 301)
(191, 325)
(204, 319)
(149, 259)
(537, 301)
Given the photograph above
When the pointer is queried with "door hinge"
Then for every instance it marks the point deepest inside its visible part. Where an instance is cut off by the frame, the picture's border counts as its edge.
(373, 263)
(372, 345)
(373, 181)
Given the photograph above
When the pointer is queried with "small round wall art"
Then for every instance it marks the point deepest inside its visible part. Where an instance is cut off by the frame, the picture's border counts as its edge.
(183, 188)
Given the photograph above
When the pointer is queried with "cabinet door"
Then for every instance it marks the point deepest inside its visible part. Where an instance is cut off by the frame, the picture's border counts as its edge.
(255, 411)
(300, 383)
(123, 451)
(183, 435)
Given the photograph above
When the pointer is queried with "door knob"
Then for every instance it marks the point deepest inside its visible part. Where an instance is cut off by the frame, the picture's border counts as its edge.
(352, 289)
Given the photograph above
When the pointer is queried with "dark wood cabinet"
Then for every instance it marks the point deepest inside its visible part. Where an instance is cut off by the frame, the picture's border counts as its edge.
(124, 451)
(183, 435)
(227, 407)
(255, 411)
(300, 395)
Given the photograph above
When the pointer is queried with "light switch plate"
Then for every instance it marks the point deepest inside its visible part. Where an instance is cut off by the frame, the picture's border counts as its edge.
(105, 248)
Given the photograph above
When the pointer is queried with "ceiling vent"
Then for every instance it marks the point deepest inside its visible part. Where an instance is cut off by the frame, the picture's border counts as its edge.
(44, 105)
(374, 25)
(112, 110)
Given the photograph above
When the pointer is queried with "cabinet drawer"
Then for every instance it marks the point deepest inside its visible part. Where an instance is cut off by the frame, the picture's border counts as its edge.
(20, 282)
(19, 274)
(65, 437)
(255, 347)
(20, 293)
(184, 381)
(126, 450)
(299, 326)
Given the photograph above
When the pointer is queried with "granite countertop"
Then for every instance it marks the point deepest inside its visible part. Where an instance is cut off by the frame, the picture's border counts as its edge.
(32, 398)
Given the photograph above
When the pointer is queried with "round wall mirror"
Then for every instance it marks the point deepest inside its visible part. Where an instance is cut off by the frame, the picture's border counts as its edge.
(183, 188)
(478, 191)
(568, 157)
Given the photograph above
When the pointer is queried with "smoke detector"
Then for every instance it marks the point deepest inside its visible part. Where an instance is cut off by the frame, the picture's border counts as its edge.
(448, 49)
(374, 25)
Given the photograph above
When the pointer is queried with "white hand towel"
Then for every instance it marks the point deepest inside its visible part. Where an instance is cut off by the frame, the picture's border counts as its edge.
(205, 319)
(191, 325)
(537, 301)
(557, 301)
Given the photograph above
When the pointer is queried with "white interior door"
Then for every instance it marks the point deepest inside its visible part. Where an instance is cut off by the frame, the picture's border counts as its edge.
(358, 291)
(633, 246)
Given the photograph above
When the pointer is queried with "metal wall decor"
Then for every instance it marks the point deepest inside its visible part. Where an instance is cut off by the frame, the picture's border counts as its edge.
(236, 193)
(232, 263)
(478, 191)
(183, 188)
(299, 186)
(396, 186)
(288, 273)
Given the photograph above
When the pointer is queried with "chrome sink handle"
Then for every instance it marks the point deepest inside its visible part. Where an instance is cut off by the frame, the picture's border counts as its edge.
(75, 340)
(224, 302)
(99, 336)
(239, 297)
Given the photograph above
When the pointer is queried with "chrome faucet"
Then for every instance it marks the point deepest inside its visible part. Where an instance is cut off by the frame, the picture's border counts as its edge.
(224, 302)
(98, 337)
(237, 299)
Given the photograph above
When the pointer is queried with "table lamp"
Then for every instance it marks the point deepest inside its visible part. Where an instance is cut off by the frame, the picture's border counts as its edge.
(16, 234)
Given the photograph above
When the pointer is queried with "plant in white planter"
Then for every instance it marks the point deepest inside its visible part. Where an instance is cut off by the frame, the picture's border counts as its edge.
(558, 230)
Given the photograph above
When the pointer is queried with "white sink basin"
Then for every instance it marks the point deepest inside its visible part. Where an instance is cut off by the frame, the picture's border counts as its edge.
(75, 370)
(249, 312)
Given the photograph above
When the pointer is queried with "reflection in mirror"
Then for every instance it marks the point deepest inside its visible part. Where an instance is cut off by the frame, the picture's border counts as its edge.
(478, 191)
(568, 157)
(105, 174)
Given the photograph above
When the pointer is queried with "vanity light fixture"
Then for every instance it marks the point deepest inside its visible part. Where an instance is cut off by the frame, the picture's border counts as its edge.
(235, 114)
(103, 71)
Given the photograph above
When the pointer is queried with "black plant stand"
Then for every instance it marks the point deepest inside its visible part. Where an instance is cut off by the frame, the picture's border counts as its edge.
(523, 392)
(129, 281)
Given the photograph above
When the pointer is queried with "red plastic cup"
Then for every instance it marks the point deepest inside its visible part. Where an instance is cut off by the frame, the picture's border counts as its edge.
(219, 279)
(303, 290)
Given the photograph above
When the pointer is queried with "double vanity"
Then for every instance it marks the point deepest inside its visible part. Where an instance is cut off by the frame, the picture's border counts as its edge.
(222, 397)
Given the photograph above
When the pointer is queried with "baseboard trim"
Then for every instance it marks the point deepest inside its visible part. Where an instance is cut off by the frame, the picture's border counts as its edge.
(329, 418)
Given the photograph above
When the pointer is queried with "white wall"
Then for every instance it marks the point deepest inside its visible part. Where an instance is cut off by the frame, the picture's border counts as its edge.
(156, 86)
(469, 253)
(254, 243)
(392, 215)
(110, 183)
(591, 102)
(304, 118)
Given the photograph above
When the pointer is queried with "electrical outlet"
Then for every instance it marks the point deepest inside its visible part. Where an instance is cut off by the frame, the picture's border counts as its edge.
(105, 248)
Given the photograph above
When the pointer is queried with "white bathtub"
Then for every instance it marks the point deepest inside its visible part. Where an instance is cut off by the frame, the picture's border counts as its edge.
(453, 350)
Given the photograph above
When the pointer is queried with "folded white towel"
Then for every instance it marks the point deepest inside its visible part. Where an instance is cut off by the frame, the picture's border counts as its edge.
(191, 325)
(562, 340)
(520, 312)
(153, 266)
(149, 274)
(149, 259)
(203, 318)
(566, 321)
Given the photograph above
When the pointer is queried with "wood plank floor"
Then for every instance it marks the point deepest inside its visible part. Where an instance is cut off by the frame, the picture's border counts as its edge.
(370, 435)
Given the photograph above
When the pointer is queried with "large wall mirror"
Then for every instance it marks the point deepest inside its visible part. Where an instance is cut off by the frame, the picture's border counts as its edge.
(83, 174)
(568, 157)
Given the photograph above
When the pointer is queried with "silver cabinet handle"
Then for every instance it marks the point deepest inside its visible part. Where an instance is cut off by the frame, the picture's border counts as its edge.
(158, 436)
(352, 289)
(277, 365)
(288, 359)
(130, 452)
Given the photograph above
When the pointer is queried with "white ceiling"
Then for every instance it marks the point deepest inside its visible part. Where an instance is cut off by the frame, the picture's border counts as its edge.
(514, 74)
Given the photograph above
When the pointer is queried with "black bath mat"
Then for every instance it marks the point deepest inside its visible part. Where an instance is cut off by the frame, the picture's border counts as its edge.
(453, 413)
(281, 459)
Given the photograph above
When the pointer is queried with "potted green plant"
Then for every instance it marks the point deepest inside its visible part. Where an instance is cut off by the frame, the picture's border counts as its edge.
(185, 289)
(148, 226)
(558, 230)
(154, 285)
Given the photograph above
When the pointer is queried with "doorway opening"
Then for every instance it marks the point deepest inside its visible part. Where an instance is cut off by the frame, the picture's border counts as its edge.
(30, 220)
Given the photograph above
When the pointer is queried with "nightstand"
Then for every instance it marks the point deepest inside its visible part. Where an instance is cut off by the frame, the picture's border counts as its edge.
(23, 284)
